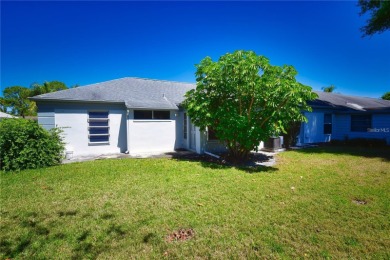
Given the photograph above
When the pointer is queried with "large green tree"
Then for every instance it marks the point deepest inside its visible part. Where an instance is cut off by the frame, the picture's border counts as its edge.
(386, 96)
(246, 100)
(16, 98)
(380, 16)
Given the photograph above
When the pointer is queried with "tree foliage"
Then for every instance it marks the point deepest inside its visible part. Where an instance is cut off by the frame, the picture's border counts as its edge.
(25, 145)
(380, 16)
(329, 89)
(246, 100)
(16, 97)
(47, 87)
(3, 106)
(386, 96)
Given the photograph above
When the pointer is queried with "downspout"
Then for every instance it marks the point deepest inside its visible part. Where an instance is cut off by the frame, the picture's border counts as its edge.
(127, 132)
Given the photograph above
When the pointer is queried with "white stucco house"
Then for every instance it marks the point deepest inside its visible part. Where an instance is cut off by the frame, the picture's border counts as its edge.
(134, 115)
(144, 116)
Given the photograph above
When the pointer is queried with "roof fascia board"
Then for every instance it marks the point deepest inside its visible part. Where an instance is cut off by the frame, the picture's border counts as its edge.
(151, 108)
(75, 100)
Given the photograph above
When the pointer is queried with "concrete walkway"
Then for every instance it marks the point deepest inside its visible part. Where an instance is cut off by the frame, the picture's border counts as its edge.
(271, 159)
(85, 158)
(260, 158)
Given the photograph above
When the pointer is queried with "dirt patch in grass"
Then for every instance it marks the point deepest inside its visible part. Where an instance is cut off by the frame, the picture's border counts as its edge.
(181, 235)
(360, 201)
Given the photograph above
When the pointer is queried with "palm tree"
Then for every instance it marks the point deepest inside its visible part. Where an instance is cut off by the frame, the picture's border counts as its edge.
(329, 89)
(47, 87)
(386, 96)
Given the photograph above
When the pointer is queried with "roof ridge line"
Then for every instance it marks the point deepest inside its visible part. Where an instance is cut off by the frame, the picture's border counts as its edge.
(161, 80)
(345, 95)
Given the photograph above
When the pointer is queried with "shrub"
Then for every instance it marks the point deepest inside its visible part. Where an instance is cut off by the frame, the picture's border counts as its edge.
(24, 145)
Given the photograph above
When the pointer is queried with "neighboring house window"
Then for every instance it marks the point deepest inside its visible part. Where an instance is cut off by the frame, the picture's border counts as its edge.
(327, 123)
(143, 114)
(99, 129)
(152, 114)
(185, 126)
(211, 136)
(360, 123)
(161, 114)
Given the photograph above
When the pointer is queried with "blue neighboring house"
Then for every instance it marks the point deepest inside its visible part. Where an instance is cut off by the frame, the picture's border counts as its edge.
(341, 117)
(145, 116)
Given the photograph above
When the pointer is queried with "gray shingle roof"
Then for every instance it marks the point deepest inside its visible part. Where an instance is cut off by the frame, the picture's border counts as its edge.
(160, 94)
(134, 92)
(343, 102)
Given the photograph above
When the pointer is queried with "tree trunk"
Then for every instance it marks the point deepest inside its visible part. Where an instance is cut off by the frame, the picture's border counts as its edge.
(238, 154)
(293, 130)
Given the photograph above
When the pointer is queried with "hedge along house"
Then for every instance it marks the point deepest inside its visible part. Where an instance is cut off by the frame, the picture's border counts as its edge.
(144, 116)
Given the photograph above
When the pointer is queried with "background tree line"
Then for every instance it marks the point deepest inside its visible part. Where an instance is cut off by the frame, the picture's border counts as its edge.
(15, 98)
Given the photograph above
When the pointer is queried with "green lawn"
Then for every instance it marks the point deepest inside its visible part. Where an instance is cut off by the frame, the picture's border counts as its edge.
(304, 207)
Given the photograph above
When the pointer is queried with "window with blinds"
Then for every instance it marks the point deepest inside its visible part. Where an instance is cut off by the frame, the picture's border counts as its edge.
(98, 127)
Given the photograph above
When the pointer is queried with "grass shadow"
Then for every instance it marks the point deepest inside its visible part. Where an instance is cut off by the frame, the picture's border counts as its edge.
(208, 161)
(22, 243)
(358, 150)
(257, 169)
(67, 213)
(32, 223)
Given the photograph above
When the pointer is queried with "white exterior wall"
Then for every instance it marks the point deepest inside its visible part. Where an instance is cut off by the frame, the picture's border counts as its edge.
(148, 137)
(151, 137)
(75, 126)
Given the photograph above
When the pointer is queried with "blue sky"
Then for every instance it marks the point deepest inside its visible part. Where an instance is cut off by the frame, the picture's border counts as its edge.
(89, 42)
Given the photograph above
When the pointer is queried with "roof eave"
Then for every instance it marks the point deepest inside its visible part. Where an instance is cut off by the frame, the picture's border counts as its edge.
(152, 108)
(74, 100)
